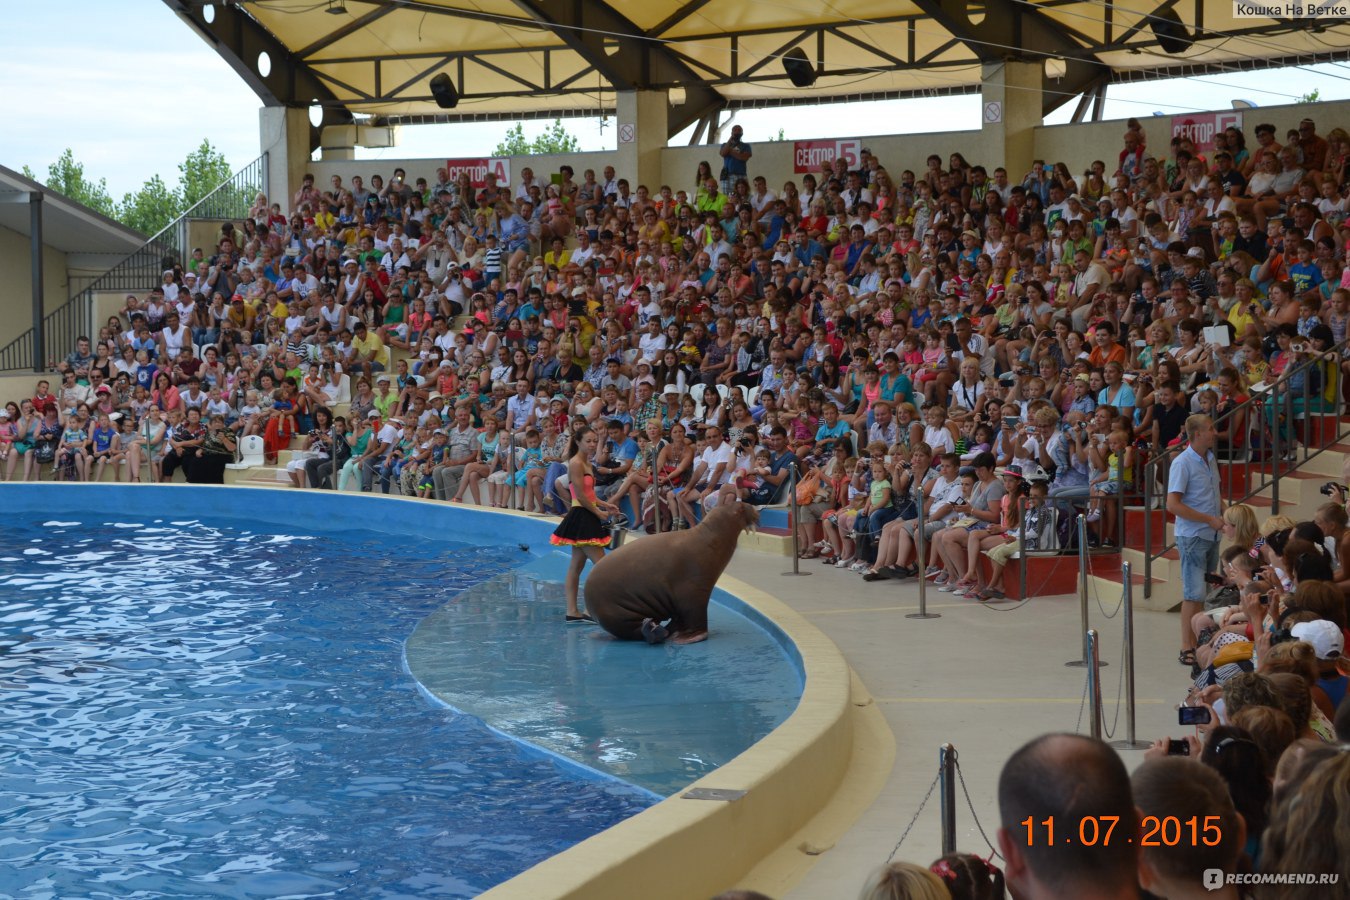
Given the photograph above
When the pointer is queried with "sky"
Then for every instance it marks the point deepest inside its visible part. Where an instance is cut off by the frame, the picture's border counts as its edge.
(132, 90)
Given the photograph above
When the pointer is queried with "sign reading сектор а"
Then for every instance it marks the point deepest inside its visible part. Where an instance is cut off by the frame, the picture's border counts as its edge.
(1243, 10)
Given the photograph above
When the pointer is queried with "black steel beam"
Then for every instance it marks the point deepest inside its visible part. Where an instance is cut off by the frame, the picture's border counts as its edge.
(1011, 30)
(592, 28)
(239, 40)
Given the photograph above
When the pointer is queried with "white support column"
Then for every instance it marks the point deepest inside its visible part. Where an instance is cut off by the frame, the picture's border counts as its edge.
(1010, 110)
(642, 121)
(284, 135)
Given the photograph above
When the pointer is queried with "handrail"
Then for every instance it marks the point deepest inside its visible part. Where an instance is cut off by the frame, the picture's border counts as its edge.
(1261, 409)
(139, 270)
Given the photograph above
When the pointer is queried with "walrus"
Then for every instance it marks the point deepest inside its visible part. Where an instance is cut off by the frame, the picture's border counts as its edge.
(666, 578)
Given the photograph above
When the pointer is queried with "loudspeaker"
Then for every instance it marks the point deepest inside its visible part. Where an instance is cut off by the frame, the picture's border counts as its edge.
(798, 67)
(1171, 34)
(443, 89)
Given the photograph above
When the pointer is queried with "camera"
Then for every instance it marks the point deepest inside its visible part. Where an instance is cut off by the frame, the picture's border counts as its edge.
(1178, 748)
(1331, 486)
(1211, 578)
(1299, 347)
(1281, 636)
(1193, 715)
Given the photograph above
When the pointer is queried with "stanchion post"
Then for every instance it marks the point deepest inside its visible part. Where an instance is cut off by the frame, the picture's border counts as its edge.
(921, 560)
(1082, 589)
(1120, 503)
(1022, 554)
(511, 467)
(1127, 607)
(794, 521)
(947, 777)
(1150, 471)
(1094, 686)
(656, 501)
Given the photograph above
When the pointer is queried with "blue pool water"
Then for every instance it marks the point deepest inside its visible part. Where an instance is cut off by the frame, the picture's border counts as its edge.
(213, 710)
(200, 705)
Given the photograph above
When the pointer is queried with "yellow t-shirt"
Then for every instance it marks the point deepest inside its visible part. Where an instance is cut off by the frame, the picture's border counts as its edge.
(372, 343)
(1241, 320)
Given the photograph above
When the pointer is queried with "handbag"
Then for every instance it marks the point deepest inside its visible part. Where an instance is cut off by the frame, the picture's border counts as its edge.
(807, 489)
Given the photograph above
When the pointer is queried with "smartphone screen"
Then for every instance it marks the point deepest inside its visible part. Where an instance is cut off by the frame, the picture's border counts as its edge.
(1193, 715)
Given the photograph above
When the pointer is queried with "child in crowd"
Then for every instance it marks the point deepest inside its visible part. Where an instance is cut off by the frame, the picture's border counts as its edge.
(936, 434)
(72, 451)
(839, 525)
(249, 418)
(1114, 467)
(934, 362)
(531, 458)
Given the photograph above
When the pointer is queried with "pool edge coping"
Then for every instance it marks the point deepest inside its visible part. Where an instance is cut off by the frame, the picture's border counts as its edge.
(789, 778)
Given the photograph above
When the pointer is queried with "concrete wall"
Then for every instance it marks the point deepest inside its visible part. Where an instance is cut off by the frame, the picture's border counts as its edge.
(773, 159)
(15, 387)
(16, 292)
(1076, 145)
(543, 165)
(1079, 145)
(203, 232)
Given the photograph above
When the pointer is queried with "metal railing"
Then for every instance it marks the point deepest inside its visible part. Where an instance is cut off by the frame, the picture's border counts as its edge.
(1259, 443)
(139, 271)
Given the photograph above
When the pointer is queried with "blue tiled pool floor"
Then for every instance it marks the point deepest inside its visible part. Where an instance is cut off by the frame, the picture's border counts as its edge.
(659, 717)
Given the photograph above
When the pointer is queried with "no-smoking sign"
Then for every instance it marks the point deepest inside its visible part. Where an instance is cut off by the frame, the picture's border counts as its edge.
(626, 134)
(993, 112)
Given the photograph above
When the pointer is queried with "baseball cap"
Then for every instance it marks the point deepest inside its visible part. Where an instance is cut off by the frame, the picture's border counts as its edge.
(373, 414)
(1326, 638)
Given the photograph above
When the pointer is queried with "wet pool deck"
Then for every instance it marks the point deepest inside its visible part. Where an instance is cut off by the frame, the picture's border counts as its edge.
(985, 679)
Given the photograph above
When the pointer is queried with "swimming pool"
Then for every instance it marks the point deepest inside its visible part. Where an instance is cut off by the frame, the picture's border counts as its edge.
(191, 712)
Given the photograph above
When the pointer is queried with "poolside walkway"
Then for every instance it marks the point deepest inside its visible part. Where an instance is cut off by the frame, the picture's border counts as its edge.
(983, 678)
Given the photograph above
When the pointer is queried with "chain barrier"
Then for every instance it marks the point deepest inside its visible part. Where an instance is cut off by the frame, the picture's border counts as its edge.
(926, 797)
(971, 805)
(1031, 595)
(1096, 596)
(1120, 682)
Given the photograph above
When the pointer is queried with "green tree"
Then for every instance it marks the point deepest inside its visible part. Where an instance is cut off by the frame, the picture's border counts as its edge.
(66, 176)
(514, 144)
(151, 208)
(1311, 97)
(202, 172)
(554, 139)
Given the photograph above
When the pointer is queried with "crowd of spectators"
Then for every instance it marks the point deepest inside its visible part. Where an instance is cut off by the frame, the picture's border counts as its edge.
(954, 349)
(1052, 327)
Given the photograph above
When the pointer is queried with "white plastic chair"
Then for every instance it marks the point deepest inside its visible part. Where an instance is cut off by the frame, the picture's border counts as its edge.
(696, 393)
(250, 453)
